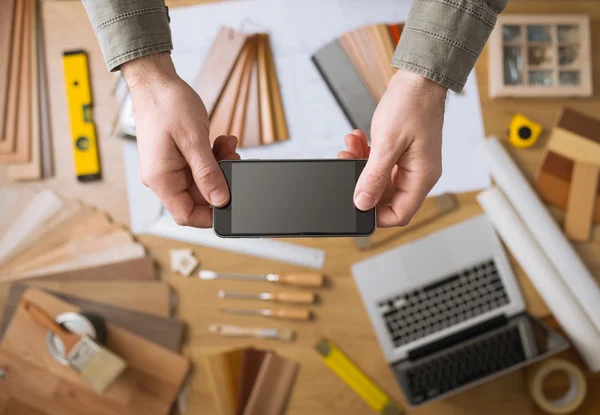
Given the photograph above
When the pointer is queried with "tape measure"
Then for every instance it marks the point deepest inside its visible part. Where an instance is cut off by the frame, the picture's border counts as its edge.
(337, 361)
(523, 133)
(83, 131)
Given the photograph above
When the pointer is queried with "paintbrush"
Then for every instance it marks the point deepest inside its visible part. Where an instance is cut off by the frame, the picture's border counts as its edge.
(286, 335)
(280, 313)
(298, 297)
(311, 279)
(98, 366)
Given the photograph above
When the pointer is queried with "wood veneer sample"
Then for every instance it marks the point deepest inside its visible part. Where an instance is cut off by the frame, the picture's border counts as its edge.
(47, 159)
(273, 386)
(218, 65)
(8, 130)
(396, 32)
(281, 128)
(266, 105)
(164, 331)
(252, 128)
(582, 198)
(251, 362)
(350, 44)
(222, 116)
(32, 170)
(6, 33)
(239, 112)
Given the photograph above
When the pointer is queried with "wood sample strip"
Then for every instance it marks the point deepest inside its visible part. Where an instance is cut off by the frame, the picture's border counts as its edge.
(574, 147)
(47, 160)
(6, 33)
(380, 63)
(152, 297)
(252, 132)
(222, 116)
(281, 128)
(32, 170)
(8, 130)
(431, 209)
(239, 112)
(387, 49)
(222, 384)
(218, 65)
(396, 32)
(251, 362)
(582, 199)
(164, 331)
(149, 385)
(350, 45)
(22, 140)
(273, 386)
(267, 125)
(366, 50)
(346, 85)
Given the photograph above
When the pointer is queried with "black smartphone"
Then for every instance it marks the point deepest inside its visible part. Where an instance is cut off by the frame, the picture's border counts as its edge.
(292, 198)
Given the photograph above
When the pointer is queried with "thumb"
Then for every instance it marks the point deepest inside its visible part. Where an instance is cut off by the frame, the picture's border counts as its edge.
(375, 177)
(207, 174)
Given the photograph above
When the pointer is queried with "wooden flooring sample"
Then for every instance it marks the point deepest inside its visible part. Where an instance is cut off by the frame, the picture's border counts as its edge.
(218, 370)
(47, 159)
(251, 361)
(8, 130)
(148, 386)
(6, 33)
(582, 199)
(164, 331)
(350, 44)
(218, 65)
(222, 116)
(252, 132)
(267, 125)
(280, 123)
(32, 170)
(239, 112)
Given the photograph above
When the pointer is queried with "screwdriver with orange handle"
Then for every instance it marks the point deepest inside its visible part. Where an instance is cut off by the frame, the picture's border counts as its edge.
(297, 297)
(307, 280)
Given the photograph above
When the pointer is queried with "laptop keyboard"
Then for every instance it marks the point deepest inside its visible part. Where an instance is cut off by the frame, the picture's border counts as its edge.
(451, 370)
(456, 298)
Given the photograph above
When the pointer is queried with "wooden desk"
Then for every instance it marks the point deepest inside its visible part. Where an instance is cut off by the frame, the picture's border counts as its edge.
(340, 316)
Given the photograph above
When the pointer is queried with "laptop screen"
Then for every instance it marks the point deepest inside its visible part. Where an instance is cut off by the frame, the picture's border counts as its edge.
(471, 357)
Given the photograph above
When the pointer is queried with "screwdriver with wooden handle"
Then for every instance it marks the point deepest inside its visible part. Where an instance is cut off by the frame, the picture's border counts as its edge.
(298, 297)
(308, 280)
(279, 313)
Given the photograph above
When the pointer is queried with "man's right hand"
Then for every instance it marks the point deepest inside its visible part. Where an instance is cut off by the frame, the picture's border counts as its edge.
(176, 158)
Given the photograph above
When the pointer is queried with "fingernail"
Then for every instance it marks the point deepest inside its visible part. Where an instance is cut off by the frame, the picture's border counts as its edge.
(219, 197)
(364, 201)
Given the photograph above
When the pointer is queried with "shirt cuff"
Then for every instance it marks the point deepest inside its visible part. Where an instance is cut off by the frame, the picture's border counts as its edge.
(442, 39)
(128, 30)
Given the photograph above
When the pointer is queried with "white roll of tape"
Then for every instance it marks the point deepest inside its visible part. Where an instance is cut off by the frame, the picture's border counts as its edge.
(574, 396)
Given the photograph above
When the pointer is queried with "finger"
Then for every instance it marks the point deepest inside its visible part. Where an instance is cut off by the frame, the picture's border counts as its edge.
(354, 146)
(363, 141)
(206, 173)
(173, 189)
(405, 202)
(376, 175)
(347, 155)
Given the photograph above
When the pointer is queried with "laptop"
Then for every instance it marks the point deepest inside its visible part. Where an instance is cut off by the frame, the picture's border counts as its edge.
(448, 312)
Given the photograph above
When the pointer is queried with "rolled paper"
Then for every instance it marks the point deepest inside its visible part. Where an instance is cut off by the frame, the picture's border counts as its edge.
(544, 229)
(551, 287)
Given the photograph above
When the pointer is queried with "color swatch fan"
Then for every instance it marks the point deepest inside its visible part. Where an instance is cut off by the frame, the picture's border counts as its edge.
(357, 68)
(239, 87)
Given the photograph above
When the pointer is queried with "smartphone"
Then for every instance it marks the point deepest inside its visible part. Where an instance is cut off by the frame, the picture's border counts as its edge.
(292, 198)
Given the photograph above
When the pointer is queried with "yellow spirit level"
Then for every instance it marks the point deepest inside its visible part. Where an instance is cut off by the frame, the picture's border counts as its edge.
(79, 97)
(337, 361)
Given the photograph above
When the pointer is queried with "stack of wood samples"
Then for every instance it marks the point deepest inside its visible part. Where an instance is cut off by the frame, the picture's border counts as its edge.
(238, 84)
(357, 68)
(24, 122)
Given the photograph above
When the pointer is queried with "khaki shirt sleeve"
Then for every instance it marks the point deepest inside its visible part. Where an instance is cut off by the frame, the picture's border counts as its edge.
(129, 29)
(442, 39)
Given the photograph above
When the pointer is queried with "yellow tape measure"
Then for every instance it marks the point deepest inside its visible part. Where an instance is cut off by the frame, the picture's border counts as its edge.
(79, 97)
(523, 132)
(356, 379)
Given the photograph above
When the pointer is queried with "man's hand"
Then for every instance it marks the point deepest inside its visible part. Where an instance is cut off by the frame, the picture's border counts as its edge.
(176, 159)
(405, 158)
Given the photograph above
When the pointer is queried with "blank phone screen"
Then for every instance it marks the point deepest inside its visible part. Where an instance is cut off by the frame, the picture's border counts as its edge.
(293, 197)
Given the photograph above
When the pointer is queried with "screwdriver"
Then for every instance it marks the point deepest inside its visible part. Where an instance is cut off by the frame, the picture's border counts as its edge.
(280, 313)
(299, 297)
(310, 279)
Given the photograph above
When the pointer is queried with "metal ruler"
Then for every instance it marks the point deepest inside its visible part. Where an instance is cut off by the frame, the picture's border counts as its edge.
(263, 248)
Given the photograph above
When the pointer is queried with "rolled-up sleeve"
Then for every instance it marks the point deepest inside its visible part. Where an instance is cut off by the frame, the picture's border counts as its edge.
(128, 29)
(442, 39)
